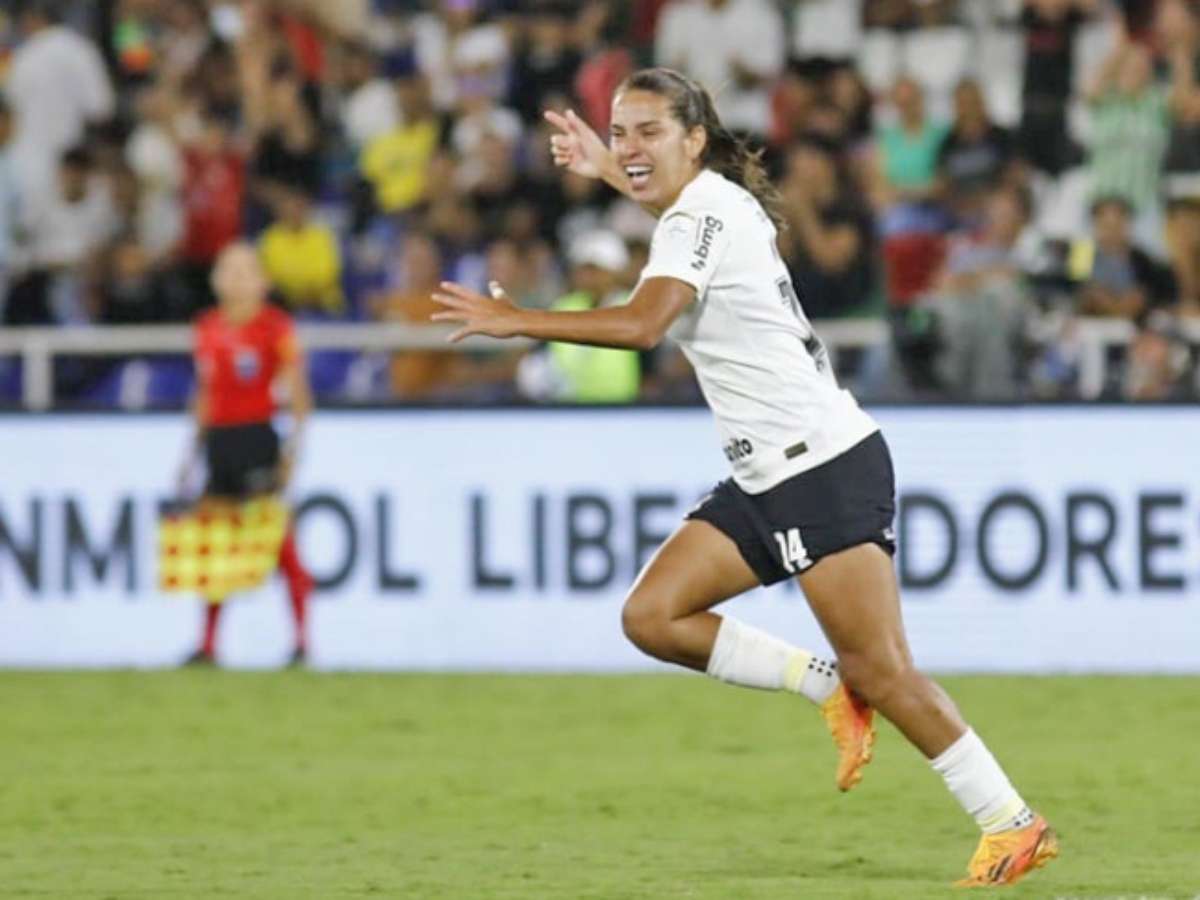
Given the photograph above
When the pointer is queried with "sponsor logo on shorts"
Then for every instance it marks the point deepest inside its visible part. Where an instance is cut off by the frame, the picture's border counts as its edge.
(704, 241)
(738, 448)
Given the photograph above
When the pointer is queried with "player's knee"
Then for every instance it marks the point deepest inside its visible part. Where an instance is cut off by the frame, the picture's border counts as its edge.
(643, 624)
(874, 677)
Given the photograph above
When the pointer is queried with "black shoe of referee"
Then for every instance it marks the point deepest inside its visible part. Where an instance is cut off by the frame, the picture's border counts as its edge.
(199, 659)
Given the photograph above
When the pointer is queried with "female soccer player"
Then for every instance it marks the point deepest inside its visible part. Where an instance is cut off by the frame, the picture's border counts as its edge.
(812, 489)
(243, 349)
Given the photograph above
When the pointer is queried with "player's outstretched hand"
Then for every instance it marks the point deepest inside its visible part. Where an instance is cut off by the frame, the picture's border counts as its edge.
(577, 147)
(495, 316)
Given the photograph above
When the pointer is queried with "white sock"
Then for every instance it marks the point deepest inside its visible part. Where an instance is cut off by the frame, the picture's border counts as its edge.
(750, 657)
(980, 785)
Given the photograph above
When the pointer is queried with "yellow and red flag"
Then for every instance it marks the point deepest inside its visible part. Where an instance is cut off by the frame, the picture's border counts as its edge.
(216, 551)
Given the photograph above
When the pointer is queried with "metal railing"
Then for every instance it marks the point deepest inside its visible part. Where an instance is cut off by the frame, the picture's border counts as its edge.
(38, 346)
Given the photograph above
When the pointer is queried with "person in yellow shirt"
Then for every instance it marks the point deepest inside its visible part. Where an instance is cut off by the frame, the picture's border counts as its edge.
(396, 163)
(301, 257)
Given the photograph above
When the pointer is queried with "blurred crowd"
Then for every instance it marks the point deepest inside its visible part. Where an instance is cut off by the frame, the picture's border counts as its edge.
(988, 177)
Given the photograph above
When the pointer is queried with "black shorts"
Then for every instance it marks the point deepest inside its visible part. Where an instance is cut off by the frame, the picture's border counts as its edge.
(243, 460)
(783, 531)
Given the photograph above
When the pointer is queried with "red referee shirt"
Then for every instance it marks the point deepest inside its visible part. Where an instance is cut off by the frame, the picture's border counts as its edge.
(237, 364)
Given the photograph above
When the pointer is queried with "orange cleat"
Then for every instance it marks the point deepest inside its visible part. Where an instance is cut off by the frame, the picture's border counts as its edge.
(1004, 857)
(849, 720)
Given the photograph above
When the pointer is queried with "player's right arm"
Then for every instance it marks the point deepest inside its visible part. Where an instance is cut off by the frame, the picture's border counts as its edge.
(198, 408)
(637, 325)
(577, 148)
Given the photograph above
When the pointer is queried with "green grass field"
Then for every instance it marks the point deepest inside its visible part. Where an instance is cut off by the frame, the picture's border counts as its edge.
(298, 785)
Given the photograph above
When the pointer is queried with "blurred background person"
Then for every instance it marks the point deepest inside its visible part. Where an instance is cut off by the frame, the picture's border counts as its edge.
(1128, 135)
(829, 246)
(244, 350)
(975, 155)
(64, 230)
(982, 304)
(1178, 30)
(58, 87)
(735, 48)
(1050, 27)
(574, 373)
(301, 256)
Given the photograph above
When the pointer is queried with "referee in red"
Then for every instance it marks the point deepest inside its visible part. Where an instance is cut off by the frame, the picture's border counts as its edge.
(246, 349)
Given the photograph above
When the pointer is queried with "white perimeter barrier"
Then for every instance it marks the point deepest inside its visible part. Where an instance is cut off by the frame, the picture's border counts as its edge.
(1032, 539)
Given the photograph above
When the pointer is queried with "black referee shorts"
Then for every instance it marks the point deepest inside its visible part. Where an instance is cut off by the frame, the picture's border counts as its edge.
(783, 531)
(243, 460)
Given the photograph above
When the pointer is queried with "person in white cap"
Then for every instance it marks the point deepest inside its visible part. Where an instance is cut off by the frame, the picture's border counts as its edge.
(577, 373)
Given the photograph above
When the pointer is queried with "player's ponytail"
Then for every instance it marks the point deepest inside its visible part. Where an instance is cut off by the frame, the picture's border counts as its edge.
(724, 152)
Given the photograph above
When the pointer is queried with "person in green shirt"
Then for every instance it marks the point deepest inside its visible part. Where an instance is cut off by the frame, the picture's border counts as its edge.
(1130, 123)
(574, 373)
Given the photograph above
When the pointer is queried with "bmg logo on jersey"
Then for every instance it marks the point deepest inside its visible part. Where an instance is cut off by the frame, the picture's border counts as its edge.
(246, 363)
(738, 448)
(704, 240)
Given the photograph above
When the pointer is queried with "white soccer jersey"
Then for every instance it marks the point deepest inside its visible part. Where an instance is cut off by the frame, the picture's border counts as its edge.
(765, 374)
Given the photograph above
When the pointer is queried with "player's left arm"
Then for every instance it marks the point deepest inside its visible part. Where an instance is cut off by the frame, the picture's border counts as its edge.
(293, 377)
(637, 325)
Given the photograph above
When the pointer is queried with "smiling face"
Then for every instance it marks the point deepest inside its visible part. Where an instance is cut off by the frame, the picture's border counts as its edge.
(653, 148)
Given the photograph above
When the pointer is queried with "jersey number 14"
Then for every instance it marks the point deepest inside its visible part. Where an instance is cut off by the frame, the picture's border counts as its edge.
(791, 550)
(812, 344)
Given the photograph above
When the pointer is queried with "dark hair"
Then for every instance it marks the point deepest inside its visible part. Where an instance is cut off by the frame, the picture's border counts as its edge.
(724, 152)
(76, 158)
(1106, 200)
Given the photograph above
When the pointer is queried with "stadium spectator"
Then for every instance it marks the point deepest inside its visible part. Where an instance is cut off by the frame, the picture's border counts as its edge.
(131, 290)
(437, 374)
(153, 153)
(1116, 278)
(1050, 27)
(1128, 134)
(545, 62)
(1178, 29)
(438, 37)
(214, 186)
(795, 95)
(606, 60)
(735, 48)
(395, 164)
(1159, 362)
(849, 94)
(301, 257)
(911, 224)
(830, 244)
(285, 140)
(63, 231)
(907, 150)
(574, 373)
(369, 106)
(184, 39)
(244, 349)
(975, 155)
(492, 180)
(58, 87)
(982, 304)
(416, 374)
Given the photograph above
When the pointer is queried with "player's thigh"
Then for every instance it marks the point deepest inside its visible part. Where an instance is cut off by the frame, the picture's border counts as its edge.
(696, 568)
(855, 598)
